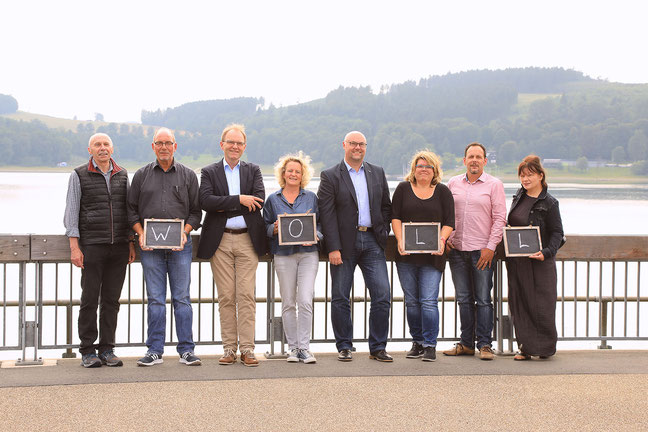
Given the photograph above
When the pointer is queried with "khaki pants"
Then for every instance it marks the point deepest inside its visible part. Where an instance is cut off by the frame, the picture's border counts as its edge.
(234, 268)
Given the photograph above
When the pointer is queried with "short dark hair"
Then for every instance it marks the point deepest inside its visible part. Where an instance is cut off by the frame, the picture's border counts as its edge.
(532, 163)
(472, 144)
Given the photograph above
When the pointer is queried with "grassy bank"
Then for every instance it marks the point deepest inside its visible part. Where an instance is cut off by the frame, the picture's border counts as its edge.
(507, 173)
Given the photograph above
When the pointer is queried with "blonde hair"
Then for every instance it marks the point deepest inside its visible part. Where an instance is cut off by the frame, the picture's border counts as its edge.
(431, 159)
(236, 127)
(302, 159)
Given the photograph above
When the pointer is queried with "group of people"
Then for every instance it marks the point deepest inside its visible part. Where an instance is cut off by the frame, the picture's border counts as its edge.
(353, 210)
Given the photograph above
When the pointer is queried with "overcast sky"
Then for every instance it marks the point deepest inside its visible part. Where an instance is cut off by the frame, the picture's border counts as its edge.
(67, 58)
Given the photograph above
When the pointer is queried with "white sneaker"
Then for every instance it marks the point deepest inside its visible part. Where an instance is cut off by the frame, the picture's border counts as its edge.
(293, 356)
(306, 356)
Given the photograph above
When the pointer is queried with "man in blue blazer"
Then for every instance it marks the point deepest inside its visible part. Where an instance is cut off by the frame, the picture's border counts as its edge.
(233, 237)
(355, 211)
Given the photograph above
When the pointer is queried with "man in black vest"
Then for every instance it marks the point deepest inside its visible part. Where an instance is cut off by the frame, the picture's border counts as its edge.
(96, 222)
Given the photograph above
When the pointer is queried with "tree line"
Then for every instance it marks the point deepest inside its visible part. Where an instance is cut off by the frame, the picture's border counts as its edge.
(552, 112)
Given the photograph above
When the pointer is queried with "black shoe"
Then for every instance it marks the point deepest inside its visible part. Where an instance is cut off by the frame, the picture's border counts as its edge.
(190, 359)
(345, 355)
(90, 361)
(110, 359)
(429, 354)
(381, 356)
(415, 352)
(150, 359)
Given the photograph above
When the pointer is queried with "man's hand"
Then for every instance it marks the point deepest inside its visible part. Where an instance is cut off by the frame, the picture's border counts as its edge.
(275, 230)
(449, 245)
(485, 258)
(184, 240)
(131, 252)
(251, 202)
(335, 257)
(141, 242)
(76, 256)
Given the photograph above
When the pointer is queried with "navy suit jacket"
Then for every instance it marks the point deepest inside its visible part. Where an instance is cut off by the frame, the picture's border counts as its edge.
(219, 205)
(338, 207)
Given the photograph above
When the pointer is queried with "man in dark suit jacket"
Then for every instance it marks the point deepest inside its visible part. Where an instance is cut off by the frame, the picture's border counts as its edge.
(355, 211)
(233, 237)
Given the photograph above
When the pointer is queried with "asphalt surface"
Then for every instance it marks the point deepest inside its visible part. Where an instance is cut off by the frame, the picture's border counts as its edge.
(575, 390)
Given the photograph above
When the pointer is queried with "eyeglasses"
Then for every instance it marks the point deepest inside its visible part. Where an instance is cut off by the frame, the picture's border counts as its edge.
(234, 143)
(431, 167)
(355, 144)
(163, 143)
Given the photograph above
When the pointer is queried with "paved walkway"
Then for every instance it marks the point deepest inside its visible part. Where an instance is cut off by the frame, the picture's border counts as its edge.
(583, 390)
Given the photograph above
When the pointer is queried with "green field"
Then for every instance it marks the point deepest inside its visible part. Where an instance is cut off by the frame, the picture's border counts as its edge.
(59, 123)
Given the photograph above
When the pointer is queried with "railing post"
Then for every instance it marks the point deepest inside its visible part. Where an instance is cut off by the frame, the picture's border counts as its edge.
(29, 329)
(68, 331)
(275, 323)
(504, 328)
(603, 325)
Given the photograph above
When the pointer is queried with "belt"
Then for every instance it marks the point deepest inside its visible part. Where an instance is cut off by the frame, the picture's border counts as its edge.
(235, 231)
(364, 228)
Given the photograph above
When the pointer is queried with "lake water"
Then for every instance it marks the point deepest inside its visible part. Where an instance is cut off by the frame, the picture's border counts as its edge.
(35, 202)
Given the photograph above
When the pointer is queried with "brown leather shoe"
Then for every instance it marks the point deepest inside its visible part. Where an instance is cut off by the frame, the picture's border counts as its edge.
(486, 353)
(458, 350)
(229, 357)
(248, 359)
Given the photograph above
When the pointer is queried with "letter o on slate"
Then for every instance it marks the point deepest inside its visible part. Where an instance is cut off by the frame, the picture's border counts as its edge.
(301, 228)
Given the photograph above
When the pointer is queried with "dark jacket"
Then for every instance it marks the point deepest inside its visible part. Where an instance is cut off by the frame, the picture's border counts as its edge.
(338, 207)
(219, 205)
(103, 216)
(544, 213)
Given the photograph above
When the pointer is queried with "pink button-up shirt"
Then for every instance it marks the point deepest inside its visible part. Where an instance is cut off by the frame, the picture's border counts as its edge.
(480, 212)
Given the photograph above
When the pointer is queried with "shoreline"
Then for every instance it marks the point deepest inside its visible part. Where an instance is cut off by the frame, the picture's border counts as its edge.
(555, 176)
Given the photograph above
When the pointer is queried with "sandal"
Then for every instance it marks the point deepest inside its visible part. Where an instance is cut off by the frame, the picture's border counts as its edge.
(520, 356)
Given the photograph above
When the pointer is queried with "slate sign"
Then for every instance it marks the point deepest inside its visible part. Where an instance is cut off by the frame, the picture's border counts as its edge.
(522, 241)
(297, 229)
(163, 233)
(421, 237)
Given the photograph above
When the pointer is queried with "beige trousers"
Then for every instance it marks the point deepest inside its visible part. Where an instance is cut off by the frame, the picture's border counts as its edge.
(234, 268)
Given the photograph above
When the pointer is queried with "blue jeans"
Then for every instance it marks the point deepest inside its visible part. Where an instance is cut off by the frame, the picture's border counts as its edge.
(473, 287)
(420, 285)
(157, 264)
(371, 258)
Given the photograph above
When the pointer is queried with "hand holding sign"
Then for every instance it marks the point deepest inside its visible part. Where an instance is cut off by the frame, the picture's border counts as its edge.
(297, 229)
(163, 234)
(421, 237)
(523, 242)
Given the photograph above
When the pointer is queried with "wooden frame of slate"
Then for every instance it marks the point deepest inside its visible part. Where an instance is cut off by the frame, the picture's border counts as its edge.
(421, 237)
(522, 241)
(163, 233)
(297, 229)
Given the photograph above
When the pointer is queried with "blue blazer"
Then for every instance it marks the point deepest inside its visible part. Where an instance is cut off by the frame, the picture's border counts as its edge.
(338, 207)
(219, 205)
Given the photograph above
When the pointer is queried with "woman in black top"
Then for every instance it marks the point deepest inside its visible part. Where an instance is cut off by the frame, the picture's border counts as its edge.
(532, 280)
(422, 198)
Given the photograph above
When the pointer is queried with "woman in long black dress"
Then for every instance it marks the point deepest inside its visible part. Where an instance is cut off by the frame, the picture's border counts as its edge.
(532, 280)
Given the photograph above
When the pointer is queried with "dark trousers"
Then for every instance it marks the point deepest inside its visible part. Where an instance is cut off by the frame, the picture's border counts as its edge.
(102, 279)
(370, 257)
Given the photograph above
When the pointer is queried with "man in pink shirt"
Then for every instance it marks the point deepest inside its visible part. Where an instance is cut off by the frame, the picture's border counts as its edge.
(480, 216)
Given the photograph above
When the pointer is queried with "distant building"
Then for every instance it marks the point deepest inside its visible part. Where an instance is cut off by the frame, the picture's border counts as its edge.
(552, 163)
(61, 164)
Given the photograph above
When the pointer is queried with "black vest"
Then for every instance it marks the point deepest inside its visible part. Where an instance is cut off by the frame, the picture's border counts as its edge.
(103, 217)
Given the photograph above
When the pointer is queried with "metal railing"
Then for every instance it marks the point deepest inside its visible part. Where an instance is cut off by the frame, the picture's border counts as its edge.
(600, 298)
